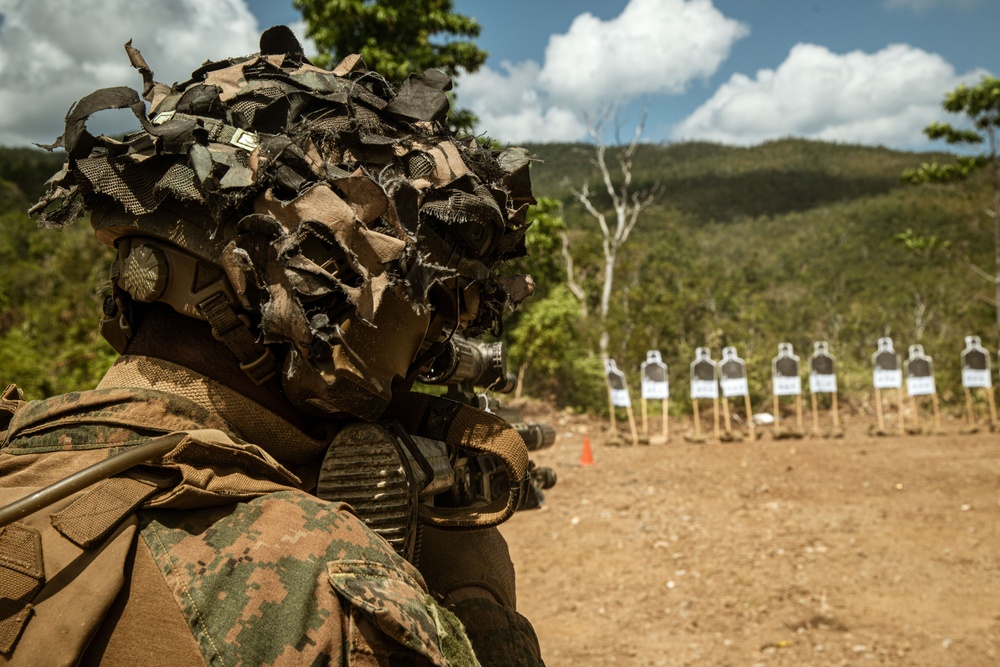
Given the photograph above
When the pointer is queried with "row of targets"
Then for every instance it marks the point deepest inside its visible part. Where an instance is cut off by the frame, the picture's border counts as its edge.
(887, 374)
(729, 374)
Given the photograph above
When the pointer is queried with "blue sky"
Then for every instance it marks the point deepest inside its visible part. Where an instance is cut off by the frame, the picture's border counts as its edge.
(735, 71)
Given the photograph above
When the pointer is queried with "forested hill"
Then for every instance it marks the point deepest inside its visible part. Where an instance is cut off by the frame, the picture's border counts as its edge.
(791, 241)
(28, 169)
(50, 287)
(715, 183)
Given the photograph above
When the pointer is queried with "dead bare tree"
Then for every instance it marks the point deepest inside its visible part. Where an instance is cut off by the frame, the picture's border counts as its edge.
(627, 203)
(922, 315)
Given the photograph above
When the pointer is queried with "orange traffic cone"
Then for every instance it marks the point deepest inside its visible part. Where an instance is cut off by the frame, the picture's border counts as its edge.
(587, 458)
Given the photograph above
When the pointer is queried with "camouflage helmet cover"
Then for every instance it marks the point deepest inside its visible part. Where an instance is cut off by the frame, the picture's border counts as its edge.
(345, 226)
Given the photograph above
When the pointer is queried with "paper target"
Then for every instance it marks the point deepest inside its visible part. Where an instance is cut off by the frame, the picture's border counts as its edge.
(703, 381)
(785, 372)
(886, 374)
(733, 374)
(655, 381)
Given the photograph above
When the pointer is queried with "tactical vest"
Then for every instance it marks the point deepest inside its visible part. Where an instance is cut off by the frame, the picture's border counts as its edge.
(61, 567)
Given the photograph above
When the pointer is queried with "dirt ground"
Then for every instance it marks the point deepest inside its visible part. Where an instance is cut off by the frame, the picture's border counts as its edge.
(867, 550)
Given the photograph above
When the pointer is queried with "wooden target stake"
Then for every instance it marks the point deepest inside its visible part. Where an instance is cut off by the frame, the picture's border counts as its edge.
(836, 417)
(902, 409)
(697, 418)
(611, 411)
(798, 411)
(815, 409)
(725, 415)
(631, 424)
(664, 425)
(969, 413)
(715, 414)
(750, 424)
(878, 409)
(970, 408)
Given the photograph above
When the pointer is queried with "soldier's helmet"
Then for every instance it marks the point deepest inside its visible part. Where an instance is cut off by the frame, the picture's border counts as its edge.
(330, 229)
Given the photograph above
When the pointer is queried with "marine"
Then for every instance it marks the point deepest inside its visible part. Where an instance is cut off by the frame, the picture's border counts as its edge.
(294, 245)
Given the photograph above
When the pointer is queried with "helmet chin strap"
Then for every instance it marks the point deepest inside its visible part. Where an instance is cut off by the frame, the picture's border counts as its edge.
(256, 359)
(147, 270)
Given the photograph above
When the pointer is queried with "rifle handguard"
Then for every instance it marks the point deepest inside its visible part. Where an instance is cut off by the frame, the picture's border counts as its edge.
(464, 426)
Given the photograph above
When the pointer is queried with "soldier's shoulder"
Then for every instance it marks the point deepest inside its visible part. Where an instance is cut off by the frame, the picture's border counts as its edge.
(285, 525)
(240, 570)
(99, 418)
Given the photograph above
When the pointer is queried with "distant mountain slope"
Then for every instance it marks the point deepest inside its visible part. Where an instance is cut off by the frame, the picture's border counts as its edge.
(29, 168)
(715, 183)
(791, 240)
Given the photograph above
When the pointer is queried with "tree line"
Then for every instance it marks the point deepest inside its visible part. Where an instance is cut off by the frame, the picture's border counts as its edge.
(817, 256)
(710, 245)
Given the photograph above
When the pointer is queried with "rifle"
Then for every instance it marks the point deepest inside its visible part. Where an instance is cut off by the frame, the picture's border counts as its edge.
(387, 474)
(465, 365)
(382, 471)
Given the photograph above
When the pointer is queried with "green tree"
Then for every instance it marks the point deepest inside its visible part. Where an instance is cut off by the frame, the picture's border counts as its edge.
(543, 240)
(547, 343)
(50, 303)
(396, 38)
(979, 105)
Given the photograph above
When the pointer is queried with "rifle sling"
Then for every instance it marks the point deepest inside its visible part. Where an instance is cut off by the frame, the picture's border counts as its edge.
(464, 426)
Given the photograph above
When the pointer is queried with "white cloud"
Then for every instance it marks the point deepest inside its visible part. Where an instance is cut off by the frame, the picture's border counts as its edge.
(653, 46)
(510, 108)
(885, 97)
(53, 52)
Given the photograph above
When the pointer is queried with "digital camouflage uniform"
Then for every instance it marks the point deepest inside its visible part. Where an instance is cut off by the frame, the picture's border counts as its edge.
(231, 565)
(334, 234)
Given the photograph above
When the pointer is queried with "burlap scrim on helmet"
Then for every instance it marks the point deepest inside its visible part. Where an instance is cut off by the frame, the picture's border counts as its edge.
(248, 145)
(146, 185)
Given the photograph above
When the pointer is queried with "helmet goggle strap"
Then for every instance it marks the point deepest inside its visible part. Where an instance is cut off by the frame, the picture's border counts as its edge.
(149, 271)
